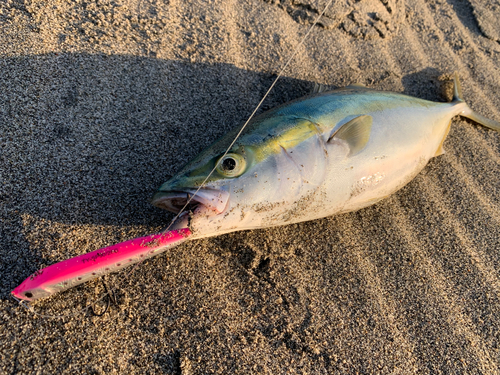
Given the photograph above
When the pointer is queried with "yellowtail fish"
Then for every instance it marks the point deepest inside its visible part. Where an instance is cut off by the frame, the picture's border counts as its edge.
(325, 154)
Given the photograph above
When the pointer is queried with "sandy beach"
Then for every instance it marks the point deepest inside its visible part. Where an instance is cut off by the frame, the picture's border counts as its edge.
(101, 101)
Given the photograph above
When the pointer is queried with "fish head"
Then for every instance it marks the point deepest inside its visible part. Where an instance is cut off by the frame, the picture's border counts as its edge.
(252, 185)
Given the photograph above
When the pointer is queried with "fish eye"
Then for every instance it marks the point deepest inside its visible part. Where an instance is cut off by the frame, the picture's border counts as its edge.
(228, 164)
(231, 165)
(28, 294)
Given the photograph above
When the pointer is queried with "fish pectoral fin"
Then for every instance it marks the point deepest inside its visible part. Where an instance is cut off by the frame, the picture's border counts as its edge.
(355, 133)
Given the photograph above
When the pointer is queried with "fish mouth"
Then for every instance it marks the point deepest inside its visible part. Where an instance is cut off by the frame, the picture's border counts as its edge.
(205, 199)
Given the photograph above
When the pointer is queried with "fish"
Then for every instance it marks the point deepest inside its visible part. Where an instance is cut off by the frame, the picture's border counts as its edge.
(325, 154)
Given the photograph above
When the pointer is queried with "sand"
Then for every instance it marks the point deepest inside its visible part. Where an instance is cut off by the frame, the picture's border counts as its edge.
(100, 101)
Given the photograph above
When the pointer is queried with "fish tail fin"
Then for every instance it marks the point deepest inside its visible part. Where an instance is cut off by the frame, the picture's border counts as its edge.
(457, 89)
(468, 112)
(480, 119)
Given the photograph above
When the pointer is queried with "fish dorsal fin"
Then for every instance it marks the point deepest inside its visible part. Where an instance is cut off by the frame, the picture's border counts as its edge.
(318, 88)
(355, 133)
(356, 86)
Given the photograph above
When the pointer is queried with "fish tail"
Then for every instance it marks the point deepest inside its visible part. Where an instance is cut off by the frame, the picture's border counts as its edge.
(467, 111)
(457, 89)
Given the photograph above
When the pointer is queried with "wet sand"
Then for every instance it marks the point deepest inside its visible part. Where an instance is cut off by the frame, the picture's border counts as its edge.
(101, 101)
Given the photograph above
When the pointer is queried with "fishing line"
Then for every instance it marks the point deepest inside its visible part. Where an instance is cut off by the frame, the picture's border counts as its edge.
(191, 196)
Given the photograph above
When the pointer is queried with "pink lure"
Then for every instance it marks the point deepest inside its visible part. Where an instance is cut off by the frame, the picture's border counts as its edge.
(85, 267)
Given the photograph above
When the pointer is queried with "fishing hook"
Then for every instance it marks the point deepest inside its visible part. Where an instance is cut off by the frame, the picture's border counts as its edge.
(110, 297)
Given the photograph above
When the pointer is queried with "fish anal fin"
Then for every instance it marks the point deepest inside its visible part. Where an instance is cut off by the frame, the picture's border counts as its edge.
(355, 133)
(440, 149)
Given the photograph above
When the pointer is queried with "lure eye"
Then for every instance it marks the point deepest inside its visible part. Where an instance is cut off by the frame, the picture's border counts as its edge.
(28, 294)
(231, 165)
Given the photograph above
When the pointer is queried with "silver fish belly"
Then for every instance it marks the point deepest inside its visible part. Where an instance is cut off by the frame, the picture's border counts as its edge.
(314, 157)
